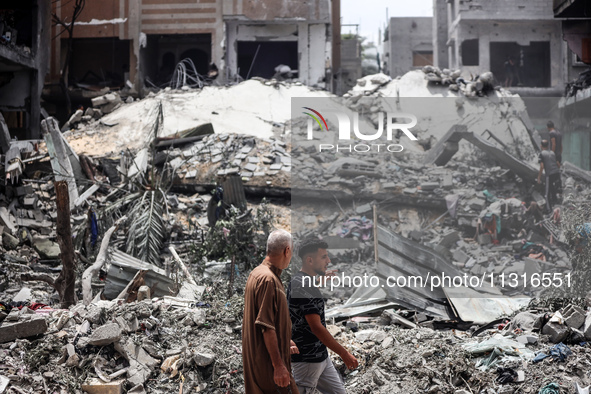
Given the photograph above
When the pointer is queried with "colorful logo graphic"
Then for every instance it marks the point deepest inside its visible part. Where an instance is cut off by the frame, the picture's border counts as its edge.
(316, 119)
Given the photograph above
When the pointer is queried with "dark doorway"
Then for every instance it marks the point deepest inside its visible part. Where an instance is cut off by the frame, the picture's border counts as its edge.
(99, 61)
(164, 52)
(269, 56)
(531, 63)
(470, 53)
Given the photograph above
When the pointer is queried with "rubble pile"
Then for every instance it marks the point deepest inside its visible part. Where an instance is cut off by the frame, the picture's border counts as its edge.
(476, 87)
(259, 162)
(173, 171)
(510, 357)
(438, 109)
(256, 107)
(153, 345)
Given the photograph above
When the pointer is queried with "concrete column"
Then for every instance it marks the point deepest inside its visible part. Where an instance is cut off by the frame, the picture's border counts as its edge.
(440, 34)
(231, 57)
(135, 26)
(336, 36)
(303, 52)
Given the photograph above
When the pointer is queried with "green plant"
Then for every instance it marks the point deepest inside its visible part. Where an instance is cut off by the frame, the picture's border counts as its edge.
(239, 236)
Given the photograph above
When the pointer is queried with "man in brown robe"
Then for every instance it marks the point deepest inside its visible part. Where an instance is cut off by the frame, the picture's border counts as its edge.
(266, 327)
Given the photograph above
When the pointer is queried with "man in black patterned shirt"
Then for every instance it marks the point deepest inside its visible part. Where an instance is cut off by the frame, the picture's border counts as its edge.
(312, 367)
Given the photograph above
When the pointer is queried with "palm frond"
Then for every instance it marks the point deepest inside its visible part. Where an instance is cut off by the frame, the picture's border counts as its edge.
(147, 228)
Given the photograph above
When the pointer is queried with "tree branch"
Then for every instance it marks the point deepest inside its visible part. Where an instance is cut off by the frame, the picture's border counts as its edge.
(39, 277)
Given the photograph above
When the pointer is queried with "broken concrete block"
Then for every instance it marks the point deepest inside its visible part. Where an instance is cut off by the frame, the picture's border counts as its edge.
(46, 248)
(460, 256)
(203, 359)
(386, 343)
(484, 239)
(7, 220)
(105, 335)
(447, 181)
(23, 295)
(97, 386)
(449, 238)
(428, 186)
(363, 209)
(72, 358)
(557, 332)
(22, 329)
(587, 327)
(250, 167)
(415, 235)
(24, 190)
(106, 99)
(76, 117)
(4, 382)
(527, 339)
(143, 293)
(9, 242)
(574, 316)
(477, 204)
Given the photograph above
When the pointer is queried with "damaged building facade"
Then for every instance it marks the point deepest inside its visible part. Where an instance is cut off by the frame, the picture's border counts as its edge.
(576, 31)
(482, 36)
(408, 45)
(116, 41)
(24, 42)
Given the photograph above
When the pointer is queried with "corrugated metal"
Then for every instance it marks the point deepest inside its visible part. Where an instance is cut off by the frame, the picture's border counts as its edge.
(399, 256)
(234, 192)
(123, 268)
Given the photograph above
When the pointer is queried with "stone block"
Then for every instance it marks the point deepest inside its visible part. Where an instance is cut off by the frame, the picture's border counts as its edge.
(460, 256)
(557, 332)
(449, 238)
(105, 335)
(203, 359)
(22, 329)
(143, 293)
(574, 316)
(97, 386)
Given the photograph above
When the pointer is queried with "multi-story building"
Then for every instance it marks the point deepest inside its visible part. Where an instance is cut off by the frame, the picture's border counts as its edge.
(142, 41)
(575, 106)
(24, 54)
(518, 40)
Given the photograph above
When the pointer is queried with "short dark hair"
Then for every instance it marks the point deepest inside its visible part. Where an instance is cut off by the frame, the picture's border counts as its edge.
(550, 124)
(311, 245)
(544, 143)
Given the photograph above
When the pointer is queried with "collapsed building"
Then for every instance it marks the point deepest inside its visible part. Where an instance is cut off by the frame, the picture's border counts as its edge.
(139, 44)
(154, 316)
(24, 56)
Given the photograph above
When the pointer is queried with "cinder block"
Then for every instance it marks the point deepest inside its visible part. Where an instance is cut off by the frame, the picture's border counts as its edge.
(22, 329)
(97, 386)
(557, 332)
(574, 316)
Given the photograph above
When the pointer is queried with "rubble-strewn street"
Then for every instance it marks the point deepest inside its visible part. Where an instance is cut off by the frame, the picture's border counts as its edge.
(141, 336)
(435, 179)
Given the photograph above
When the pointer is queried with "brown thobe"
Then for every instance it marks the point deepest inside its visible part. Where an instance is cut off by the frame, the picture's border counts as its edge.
(265, 308)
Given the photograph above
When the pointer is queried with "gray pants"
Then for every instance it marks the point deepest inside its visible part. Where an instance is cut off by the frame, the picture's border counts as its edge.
(320, 376)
